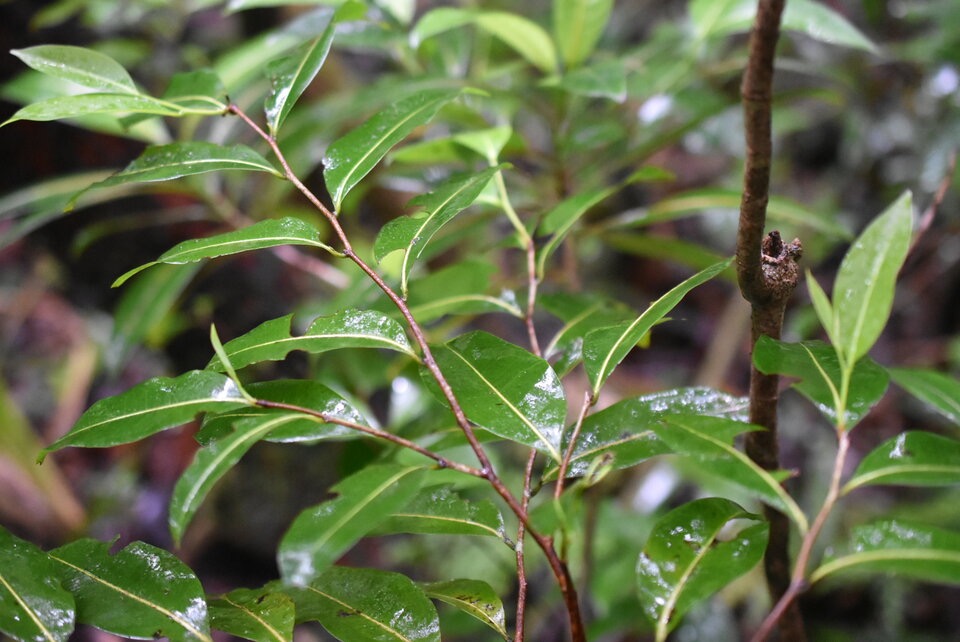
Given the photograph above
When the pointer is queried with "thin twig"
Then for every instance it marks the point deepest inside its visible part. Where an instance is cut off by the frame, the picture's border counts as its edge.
(532, 283)
(521, 564)
(572, 443)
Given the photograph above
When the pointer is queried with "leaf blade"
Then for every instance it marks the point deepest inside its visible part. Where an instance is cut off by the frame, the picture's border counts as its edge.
(473, 597)
(80, 65)
(911, 458)
(291, 75)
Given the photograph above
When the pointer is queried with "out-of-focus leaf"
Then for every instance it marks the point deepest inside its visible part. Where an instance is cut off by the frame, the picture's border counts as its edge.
(910, 459)
(79, 65)
(139, 592)
(577, 27)
(605, 348)
(940, 391)
(473, 597)
(62, 107)
(258, 615)
(505, 389)
(350, 158)
(441, 511)
(816, 364)
(561, 219)
(200, 89)
(261, 235)
(580, 313)
(604, 79)
(899, 547)
(291, 75)
(690, 556)
(692, 255)
(458, 289)
(33, 604)
(321, 534)
(149, 407)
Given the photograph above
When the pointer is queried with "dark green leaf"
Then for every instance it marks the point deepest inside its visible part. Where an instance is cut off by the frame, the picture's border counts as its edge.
(580, 313)
(910, 459)
(150, 407)
(604, 79)
(62, 107)
(473, 597)
(441, 511)
(690, 555)
(898, 547)
(505, 389)
(139, 592)
(321, 534)
(816, 364)
(34, 607)
(291, 75)
(940, 391)
(577, 27)
(257, 615)
(82, 66)
(459, 289)
(350, 158)
(561, 219)
(200, 90)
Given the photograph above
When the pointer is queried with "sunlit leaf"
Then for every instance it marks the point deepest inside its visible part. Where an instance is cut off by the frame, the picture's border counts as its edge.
(441, 511)
(473, 597)
(691, 555)
(33, 604)
(291, 75)
(577, 27)
(321, 534)
(258, 615)
(940, 391)
(79, 65)
(910, 459)
(138, 592)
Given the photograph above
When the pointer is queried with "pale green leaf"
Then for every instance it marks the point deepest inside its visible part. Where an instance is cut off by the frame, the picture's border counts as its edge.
(940, 391)
(522, 35)
(577, 27)
(258, 615)
(79, 65)
(99, 103)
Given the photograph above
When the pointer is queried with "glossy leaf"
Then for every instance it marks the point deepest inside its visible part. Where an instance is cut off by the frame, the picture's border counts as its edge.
(149, 407)
(139, 592)
(580, 313)
(605, 348)
(473, 597)
(815, 364)
(441, 511)
(412, 233)
(577, 27)
(350, 158)
(709, 442)
(561, 219)
(505, 389)
(365, 604)
(34, 606)
(79, 65)
(690, 555)
(910, 459)
(940, 391)
(291, 75)
(899, 547)
(258, 615)
(259, 236)
(62, 107)
(321, 534)
(864, 288)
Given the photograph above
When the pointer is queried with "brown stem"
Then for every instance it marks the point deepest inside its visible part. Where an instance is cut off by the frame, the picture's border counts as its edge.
(521, 564)
(568, 453)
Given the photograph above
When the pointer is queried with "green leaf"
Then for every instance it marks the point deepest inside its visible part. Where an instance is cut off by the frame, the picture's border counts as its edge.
(441, 511)
(350, 158)
(458, 289)
(709, 442)
(259, 236)
(522, 35)
(604, 79)
(823, 308)
(257, 615)
(356, 604)
(690, 555)
(910, 459)
(505, 389)
(272, 341)
(412, 233)
(473, 597)
(84, 67)
(33, 604)
(291, 75)
(580, 313)
(605, 348)
(321, 534)
(864, 288)
(940, 391)
(901, 548)
(149, 407)
(816, 364)
(62, 107)
(577, 27)
(561, 219)
(198, 91)
(139, 592)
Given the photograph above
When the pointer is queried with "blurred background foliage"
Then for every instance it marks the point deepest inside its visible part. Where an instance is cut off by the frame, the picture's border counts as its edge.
(856, 122)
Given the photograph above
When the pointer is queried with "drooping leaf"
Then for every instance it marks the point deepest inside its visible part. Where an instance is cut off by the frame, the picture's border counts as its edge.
(473, 597)
(505, 389)
(899, 547)
(350, 158)
(79, 65)
(816, 364)
(321, 534)
(291, 75)
(910, 459)
(260, 235)
(78, 105)
(33, 605)
(366, 604)
(709, 442)
(412, 233)
(690, 556)
(139, 592)
(441, 511)
(864, 288)
(605, 348)
(940, 391)
(258, 615)
(577, 27)
(149, 407)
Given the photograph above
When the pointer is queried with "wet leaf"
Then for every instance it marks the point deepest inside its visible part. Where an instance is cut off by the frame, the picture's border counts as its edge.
(580, 313)
(258, 615)
(61, 107)
(79, 65)
(441, 511)
(940, 391)
(321, 534)
(473, 597)
(691, 555)
(910, 459)
(139, 592)
(291, 75)
(577, 27)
